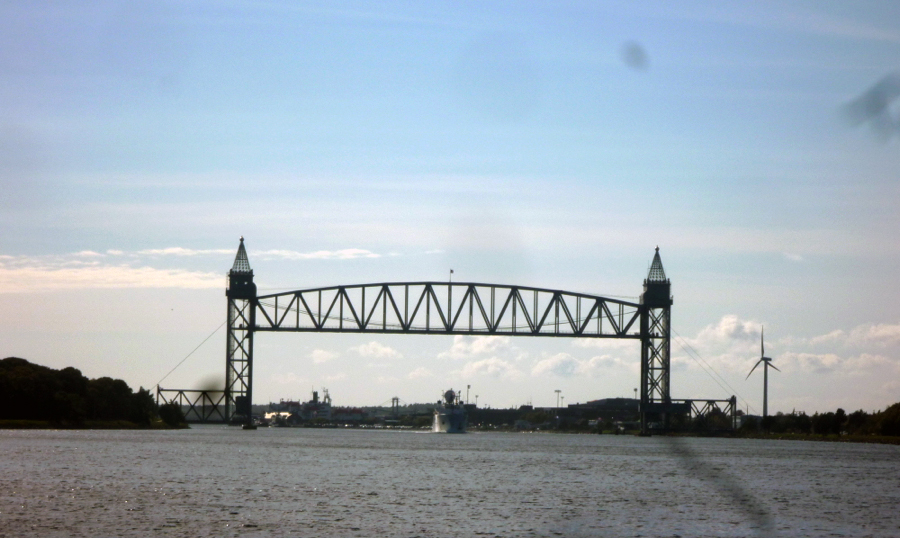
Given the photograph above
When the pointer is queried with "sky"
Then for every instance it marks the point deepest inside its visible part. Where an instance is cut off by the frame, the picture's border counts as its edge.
(550, 144)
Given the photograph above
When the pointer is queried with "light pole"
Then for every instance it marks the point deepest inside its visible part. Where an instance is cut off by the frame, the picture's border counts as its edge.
(467, 393)
(635, 394)
(557, 391)
(476, 400)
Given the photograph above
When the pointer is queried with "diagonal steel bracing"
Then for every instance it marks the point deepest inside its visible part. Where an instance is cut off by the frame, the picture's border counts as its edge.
(429, 308)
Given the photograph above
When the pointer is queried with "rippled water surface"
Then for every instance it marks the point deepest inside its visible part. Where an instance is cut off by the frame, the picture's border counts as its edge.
(220, 481)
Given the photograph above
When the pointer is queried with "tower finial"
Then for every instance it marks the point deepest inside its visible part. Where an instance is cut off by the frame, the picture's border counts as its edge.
(241, 263)
(657, 274)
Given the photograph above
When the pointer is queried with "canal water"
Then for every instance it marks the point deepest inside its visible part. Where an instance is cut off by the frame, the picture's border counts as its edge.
(221, 481)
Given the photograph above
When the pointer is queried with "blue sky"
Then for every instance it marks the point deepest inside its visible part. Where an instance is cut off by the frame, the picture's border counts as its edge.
(544, 143)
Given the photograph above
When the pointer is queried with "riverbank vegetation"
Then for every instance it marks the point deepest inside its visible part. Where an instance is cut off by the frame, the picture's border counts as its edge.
(34, 396)
(858, 426)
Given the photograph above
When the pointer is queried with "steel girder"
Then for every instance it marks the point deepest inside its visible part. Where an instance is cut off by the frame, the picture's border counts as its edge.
(202, 405)
(239, 357)
(447, 308)
(706, 408)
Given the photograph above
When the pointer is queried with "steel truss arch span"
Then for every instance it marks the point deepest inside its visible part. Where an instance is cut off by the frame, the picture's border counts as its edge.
(454, 308)
(457, 308)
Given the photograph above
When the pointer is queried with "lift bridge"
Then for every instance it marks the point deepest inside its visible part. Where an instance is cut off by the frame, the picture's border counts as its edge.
(446, 308)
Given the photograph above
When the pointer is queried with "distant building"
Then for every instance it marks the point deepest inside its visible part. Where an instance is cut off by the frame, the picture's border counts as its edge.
(348, 414)
(311, 410)
(607, 409)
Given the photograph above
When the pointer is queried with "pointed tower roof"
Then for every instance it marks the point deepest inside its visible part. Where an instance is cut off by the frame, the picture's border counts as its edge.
(657, 273)
(241, 263)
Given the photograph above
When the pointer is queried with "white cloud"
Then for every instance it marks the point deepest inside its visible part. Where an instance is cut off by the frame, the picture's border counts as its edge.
(732, 345)
(320, 356)
(565, 365)
(881, 334)
(468, 346)
(561, 364)
(834, 337)
(420, 373)
(377, 350)
(856, 364)
(345, 254)
(608, 344)
(44, 278)
(179, 251)
(793, 257)
(859, 337)
(492, 367)
(87, 270)
(601, 364)
(809, 362)
(729, 329)
(289, 378)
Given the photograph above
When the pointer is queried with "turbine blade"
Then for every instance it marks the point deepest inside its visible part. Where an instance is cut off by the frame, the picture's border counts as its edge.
(762, 341)
(773, 366)
(754, 368)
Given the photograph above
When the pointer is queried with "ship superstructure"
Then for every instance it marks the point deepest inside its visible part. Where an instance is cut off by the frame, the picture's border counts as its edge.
(449, 414)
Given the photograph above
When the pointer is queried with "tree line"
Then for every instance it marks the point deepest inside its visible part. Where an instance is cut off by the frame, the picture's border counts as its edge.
(838, 422)
(33, 392)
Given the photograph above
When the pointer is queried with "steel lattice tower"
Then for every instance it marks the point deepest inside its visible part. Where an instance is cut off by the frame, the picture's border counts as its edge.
(656, 311)
(241, 294)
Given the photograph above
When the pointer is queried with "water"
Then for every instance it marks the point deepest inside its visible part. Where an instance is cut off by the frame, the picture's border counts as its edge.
(220, 481)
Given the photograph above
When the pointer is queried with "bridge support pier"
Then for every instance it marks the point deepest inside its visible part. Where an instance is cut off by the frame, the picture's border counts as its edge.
(656, 312)
(241, 294)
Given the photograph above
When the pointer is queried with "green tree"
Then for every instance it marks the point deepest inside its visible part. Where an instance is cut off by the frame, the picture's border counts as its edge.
(858, 422)
(143, 408)
(171, 414)
(888, 422)
(109, 399)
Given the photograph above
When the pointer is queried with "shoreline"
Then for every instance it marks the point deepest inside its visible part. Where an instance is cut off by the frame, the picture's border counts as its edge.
(21, 424)
(159, 425)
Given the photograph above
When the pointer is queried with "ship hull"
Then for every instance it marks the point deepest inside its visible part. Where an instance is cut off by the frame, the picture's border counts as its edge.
(449, 421)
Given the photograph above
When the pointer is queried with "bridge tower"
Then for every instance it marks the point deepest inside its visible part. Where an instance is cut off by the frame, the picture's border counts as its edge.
(656, 311)
(241, 294)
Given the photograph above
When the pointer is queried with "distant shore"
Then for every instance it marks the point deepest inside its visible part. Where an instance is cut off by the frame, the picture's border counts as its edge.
(85, 425)
(160, 425)
(831, 438)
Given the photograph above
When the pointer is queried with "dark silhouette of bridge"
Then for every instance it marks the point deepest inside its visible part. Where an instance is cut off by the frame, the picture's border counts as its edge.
(446, 308)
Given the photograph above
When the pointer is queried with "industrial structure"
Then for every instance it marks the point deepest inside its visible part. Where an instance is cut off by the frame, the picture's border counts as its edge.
(451, 308)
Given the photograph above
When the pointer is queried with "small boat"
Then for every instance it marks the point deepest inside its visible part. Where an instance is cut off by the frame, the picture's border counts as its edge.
(449, 415)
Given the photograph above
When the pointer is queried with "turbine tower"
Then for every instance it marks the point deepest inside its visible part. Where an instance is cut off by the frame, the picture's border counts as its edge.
(767, 363)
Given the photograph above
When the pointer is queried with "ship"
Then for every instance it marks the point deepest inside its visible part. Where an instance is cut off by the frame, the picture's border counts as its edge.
(449, 414)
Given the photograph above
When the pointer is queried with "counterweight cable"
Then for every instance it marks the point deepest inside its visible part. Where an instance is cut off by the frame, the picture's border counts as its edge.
(694, 354)
(191, 353)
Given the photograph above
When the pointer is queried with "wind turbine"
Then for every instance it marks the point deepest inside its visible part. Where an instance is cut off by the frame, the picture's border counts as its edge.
(767, 362)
